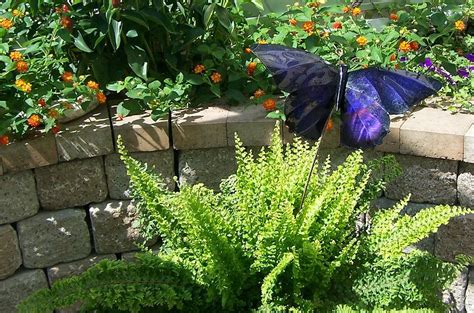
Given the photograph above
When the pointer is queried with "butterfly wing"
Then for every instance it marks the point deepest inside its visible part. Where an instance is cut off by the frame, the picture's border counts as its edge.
(311, 82)
(371, 95)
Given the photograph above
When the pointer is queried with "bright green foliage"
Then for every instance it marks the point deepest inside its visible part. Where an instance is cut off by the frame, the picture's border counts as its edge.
(252, 247)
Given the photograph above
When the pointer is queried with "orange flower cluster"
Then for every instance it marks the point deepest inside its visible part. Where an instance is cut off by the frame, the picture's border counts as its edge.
(4, 140)
(313, 5)
(393, 57)
(198, 69)
(248, 50)
(356, 11)
(262, 42)
(93, 85)
(101, 98)
(42, 102)
(337, 25)
(258, 93)
(292, 21)
(16, 56)
(406, 46)
(216, 77)
(324, 35)
(67, 77)
(34, 120)
(269, 104)
(394, 17)
(329, 125)
(346, 9)
(23, 85)
(66, 22)
(362, 41)
(22, 67)
(56, 129)
(308, 27)
(6, 23)
(460, 25)
(251, 67)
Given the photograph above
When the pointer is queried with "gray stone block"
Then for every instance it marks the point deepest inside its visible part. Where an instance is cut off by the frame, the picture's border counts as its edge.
(207, 166)
(428, 180)
(466, 185)
(455, 295)
(455, 238)
(86, 137)
(65, 270)
(339, 155)
(15, 289)
(161, 162)
(71, 184)
(469, 296)
(10, 257)
(18, 199)
(53, 237)
(113, 229)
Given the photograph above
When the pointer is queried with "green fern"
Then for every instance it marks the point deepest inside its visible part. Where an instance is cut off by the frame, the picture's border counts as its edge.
(253, 247)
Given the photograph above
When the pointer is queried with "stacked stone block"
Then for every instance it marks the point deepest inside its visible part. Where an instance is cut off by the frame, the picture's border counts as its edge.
(65, 200)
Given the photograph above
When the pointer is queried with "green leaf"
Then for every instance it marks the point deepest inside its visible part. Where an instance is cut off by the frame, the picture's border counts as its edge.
(114, 34)
(136, 17)
(154, 85)
(195, 79)
(208, 12)
(376, 54)
(132, 33)
(81, 44)
(224, 18)
(137, 60)
(129, 106)
(439, 20)
(215, 89)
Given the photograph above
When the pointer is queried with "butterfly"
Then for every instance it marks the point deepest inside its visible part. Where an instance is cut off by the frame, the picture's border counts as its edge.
(365, 97)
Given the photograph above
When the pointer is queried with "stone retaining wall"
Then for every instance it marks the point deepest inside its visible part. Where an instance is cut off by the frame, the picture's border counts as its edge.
(65, 203)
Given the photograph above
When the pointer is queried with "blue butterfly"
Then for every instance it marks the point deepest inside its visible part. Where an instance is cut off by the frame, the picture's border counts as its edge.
(365, 97)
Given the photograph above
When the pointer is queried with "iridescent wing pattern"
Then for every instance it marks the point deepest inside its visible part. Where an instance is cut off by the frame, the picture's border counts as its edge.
(311, 82)
(371, 95)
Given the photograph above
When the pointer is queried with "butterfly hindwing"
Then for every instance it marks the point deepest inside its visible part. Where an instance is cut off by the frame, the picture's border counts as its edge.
(371, 95)
(311, 82)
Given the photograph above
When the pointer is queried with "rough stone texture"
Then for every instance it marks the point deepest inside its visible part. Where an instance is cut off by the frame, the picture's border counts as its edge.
(71, 184)
(200, 128)
(53, 237)
(64, 270)
(251, 124)
(86, 137)
(435, 133)
(391, 142)
(455, 238)
(18, 287)
(469, 296)
(1, 167)
(455, 296)
(140, 132)
(113, 229)
(428, 180)
(161, 162)
(10, 257)
(18, 199)
(207, 166)
(29, 153)
(466, 185)
(469, 145)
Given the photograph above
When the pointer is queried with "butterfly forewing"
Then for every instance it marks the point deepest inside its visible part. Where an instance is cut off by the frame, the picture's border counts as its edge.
(311, 82)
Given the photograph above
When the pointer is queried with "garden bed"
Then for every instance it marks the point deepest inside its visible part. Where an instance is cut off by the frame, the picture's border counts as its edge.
(76, 179)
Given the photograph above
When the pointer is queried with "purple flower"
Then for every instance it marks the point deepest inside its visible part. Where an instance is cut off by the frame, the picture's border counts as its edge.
(426, 63)
(471, 68)
(445, 74)
(403, 59)
(470, 57)
(463, 72)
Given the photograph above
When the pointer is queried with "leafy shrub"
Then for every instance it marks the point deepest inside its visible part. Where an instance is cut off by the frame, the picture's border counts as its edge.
(434, 37)
(251, 247)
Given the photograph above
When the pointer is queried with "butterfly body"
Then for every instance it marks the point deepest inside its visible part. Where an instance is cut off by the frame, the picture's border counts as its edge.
(364, 97)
